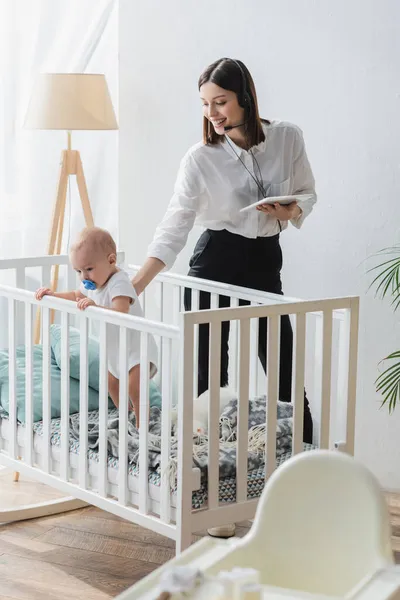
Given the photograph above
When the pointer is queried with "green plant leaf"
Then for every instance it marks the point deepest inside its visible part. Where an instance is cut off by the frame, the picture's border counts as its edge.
(387, 282)
(388, 382)
(388, 278)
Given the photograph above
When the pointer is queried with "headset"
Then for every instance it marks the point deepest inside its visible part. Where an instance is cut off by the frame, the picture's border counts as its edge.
(244, 98)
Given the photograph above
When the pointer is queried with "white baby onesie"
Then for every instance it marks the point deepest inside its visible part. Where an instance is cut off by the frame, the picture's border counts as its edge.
(120, 285)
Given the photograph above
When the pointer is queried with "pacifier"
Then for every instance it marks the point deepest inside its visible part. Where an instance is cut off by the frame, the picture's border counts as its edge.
(88, 284)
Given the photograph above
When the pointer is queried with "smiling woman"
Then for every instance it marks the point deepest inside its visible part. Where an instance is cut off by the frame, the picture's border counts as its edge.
(230, 102)
(241, 159)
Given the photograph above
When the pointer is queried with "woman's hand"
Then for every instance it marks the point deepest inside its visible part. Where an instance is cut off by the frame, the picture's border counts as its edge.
(281, 212)
(146, 274)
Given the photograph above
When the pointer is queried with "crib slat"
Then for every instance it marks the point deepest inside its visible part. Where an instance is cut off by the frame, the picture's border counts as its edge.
(185, 434)
(347, 376)
(144, 424)
(213, 414)
(234, 345)
(166, 394)
(177, 303)
(326, 378)
(143, 302)
(214, 301)
(65, 369)
(195, 307)
(83, 403)
(342, 373)
(71, 278)
(298, 383)
(72, 284)
(28, 383)
(256, 359)
(20, 316)
(253, 356)
(45, 281)
(243, 411)
(161, 319)
(123, 417)
(103, 409)
(272, 393)
(46, 276)
(20, 277)
(317, 359)
(12, 370)
(352, 375)
(46, 388)
(161, 300)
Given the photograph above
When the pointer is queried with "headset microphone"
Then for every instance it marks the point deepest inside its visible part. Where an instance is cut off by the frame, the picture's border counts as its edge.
(229, 127)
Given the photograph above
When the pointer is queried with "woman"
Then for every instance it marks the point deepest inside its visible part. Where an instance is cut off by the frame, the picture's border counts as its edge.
(241, 159)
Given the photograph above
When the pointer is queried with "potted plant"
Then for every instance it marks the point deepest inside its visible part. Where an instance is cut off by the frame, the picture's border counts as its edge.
(387, 283)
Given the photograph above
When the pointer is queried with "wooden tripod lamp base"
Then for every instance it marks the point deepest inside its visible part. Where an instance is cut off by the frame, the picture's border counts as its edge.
(71, 164)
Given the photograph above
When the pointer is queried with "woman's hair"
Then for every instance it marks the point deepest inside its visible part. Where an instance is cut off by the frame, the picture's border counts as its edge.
(234, 76)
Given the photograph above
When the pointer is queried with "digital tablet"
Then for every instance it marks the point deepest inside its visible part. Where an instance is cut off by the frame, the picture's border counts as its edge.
(280, 199)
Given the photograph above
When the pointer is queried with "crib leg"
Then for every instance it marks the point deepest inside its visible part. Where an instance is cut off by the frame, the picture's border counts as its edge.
(183, 541)
(16, 473)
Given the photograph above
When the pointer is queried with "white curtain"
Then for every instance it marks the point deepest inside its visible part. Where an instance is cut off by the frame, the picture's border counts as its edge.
(53, 36)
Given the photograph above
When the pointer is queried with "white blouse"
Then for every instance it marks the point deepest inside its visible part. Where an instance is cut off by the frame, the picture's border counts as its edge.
(213, 185)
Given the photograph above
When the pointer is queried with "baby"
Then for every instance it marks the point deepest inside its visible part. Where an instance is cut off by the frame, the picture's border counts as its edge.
(103, 284)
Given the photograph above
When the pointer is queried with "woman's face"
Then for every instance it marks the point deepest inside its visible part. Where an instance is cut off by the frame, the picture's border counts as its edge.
(220, 106)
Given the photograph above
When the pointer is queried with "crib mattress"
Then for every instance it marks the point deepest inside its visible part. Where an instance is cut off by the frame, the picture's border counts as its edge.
(227, 485)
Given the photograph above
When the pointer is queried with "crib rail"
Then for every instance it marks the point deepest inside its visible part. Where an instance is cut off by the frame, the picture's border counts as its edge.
(347, 375)
(78, 476)
(36, 271)
(41, 261)
(324, 361)
(313, 352)
(216, 287)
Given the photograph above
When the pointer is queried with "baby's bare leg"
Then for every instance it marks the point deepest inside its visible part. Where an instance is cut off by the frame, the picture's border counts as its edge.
(134, 391)
(113, 388)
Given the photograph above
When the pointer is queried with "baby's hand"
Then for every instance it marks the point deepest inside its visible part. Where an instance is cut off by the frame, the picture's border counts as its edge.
(85, 302)
(43, 291)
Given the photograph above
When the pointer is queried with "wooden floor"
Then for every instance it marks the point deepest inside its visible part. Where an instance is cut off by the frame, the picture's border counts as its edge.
(85, 554)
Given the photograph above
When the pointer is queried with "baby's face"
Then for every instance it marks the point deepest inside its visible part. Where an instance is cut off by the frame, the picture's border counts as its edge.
(93, 267)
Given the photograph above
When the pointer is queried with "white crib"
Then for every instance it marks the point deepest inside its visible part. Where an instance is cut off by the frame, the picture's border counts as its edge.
(325, 360)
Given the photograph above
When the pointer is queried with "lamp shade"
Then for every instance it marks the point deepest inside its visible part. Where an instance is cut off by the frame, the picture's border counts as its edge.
(70, 101)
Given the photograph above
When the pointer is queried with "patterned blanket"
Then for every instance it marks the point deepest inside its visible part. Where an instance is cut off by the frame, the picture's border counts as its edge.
(227, 447)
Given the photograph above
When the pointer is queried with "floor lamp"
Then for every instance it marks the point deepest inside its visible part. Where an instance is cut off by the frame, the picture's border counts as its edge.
(69, 101)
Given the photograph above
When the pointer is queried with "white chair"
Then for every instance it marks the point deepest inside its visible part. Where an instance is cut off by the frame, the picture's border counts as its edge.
(321, 527)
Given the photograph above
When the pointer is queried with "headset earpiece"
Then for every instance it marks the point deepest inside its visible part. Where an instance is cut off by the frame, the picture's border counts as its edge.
(244, 98)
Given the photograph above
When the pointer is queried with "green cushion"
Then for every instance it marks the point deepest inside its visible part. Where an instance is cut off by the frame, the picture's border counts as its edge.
(74, 354)
(93, 360)
(55, 386)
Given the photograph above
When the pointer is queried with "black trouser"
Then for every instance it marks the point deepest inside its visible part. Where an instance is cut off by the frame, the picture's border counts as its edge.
(252, 263)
